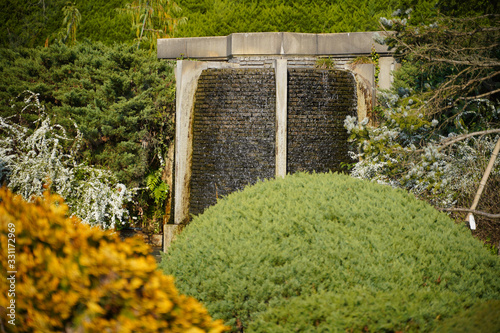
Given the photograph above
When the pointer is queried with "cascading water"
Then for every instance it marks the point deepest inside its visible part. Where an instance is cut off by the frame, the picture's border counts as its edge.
(234, 135)
(234, 127)
(318, 102)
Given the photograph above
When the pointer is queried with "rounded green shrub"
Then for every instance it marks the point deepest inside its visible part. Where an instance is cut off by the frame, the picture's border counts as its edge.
(327, 252)
(482, 317)
(359, 309)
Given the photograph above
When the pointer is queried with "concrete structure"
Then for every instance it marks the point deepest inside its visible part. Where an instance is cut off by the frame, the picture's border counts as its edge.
(277, 51)
(287, 44)
(189, 93)
(298, 49)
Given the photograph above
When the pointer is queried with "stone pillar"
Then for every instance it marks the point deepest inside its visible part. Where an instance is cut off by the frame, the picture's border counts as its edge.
(387, 66)
(281, 116)
(169, 233)
(186, 76)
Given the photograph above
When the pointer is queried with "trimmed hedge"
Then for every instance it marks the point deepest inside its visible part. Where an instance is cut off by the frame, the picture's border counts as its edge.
(74, 278)
(327, 251)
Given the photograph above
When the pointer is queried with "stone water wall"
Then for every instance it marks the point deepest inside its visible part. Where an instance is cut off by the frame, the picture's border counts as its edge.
(233, 133)
(318, 103)
(234, 127)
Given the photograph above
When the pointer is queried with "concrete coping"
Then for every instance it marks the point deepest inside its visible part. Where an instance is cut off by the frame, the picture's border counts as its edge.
(270, 44)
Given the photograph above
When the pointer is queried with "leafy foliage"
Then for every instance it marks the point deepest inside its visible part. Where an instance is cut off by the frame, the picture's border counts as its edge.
(33, 23)
(359, 310)
(459, 8)
(120, 98)
(154, 19)
(158, 191)
(482, 317)
(439, 123)
(389, 155)
(103, 21)
(313, 239)
(158, 188)
(71, 277)
(325, 63)
(223, 17)
(72, 18)
(29, 23)
(453, 65)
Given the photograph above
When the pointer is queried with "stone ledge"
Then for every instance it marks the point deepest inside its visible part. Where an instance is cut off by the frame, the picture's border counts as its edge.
(269, 44)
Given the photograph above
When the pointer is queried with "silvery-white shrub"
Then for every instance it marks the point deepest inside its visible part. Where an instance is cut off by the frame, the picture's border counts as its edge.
(31, 162)
(389, 155)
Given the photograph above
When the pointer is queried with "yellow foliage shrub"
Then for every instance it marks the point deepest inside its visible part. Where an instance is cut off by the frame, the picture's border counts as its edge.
(74, 278)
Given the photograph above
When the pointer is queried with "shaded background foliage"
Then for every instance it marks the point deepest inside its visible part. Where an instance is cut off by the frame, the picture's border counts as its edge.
(29, 23)
(119, 97)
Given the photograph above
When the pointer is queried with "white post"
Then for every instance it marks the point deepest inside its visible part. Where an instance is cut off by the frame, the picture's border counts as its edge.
(482, 184)
(281, 116)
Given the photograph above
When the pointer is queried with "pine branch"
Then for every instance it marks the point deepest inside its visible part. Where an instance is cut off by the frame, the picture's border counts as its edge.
(469, 135)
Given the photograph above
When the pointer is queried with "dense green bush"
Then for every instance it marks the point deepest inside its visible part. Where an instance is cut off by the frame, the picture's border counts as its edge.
(219, 18)
(223, 17)
(482, 317)
(119, 97)
(384, 259)
(31, 23)
(103, 21)
(359, 309)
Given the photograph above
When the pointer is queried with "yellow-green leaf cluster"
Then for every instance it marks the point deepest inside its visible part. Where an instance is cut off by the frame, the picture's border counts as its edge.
(72, 277)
